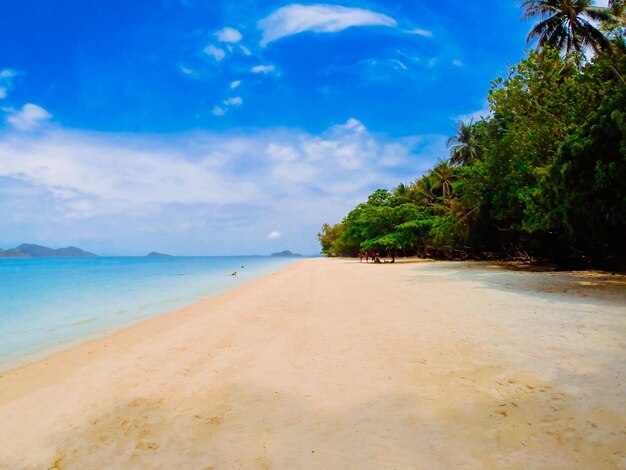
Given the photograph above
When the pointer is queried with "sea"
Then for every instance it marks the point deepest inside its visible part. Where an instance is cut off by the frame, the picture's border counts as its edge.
(49, 304)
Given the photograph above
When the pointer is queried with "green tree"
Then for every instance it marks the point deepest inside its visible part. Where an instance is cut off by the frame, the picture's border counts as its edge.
(567, 25)
(443, 177)
(550, 181)
(330, 239)
(586, 184)
(465, 145)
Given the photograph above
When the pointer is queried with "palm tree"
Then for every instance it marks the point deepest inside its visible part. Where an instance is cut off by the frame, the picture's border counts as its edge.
(617, 7)
(402, 191)
(566, 24)
(465, 147)
(619, 13)
(421, 191)
(443, 175)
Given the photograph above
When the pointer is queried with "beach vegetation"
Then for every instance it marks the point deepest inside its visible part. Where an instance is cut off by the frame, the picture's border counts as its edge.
(543, 176)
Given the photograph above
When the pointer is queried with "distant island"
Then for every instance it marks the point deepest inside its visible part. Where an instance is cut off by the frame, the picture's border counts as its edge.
(287, 254)
(28, 250)
(156, 254)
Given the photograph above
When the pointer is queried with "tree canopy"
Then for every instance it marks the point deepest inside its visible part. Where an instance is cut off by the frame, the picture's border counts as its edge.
(567, 25)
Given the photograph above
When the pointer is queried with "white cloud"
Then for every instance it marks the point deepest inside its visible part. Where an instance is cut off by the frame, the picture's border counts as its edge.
(230, 35)
(399, 64)
(204, 191)
(457, 63)
(235, 84)
(82, 170)
(281, 153)
(29, 117)
(227, 104)
(245, 50)
(353, 124)
(273, 235)
(217, 53)
(234, 101)
(263, 69)
(186, 71)
(294, 18)
(420, 32)
(6, 81)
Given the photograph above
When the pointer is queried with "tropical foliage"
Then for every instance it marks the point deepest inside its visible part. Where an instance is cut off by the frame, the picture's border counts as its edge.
(544, 176)
(567, 24)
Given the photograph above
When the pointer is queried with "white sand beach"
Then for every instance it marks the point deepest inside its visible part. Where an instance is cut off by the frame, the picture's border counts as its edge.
(331, 364)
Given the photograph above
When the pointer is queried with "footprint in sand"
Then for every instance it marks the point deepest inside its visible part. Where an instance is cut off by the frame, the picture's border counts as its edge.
(147, 445)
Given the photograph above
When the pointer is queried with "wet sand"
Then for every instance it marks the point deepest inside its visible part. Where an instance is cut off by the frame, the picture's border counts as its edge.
(333, 363)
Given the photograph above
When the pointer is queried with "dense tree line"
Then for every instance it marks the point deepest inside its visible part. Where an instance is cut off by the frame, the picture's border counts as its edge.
(543, 177)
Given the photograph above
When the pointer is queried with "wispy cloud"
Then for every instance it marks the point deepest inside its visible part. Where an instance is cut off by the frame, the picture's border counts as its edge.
(217, 53)
(227, 104)
(235, 84)
(234, 101)
(420, 32)
(229, 35)
(6, 81)
(266, 69)
(274, 234)
(28, 117)
(295, 18)
(218, 111)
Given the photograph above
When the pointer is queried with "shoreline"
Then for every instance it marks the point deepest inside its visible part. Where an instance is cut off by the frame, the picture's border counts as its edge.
(142, 326)
(107, 321)
(327, 363)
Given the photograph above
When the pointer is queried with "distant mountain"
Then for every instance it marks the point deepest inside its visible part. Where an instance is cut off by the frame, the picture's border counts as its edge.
(28, 250)
(73, 252)
(13, 253)
(156, 254)
(35, 251)
(287, 254)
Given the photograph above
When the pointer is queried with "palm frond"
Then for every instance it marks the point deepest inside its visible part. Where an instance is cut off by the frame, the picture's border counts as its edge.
(565, 25)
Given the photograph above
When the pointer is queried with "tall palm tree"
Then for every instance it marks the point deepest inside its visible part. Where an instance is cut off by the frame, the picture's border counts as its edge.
(465, 146)
(567, 24)
(443, 175)
(422, 192)
(402, 190)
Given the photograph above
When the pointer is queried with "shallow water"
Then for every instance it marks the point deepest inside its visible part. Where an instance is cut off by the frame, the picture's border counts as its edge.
(47, 304)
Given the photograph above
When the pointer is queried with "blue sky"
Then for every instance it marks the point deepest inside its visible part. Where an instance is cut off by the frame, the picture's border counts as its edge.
(208, 127)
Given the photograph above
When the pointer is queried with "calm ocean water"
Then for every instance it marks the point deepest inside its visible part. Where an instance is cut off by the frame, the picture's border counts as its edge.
(49, 304)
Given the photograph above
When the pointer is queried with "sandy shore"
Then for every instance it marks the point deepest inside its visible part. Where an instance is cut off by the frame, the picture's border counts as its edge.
(333, 364)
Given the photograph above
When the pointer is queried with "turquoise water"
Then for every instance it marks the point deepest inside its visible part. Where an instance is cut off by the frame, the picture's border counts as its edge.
(48, 304)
